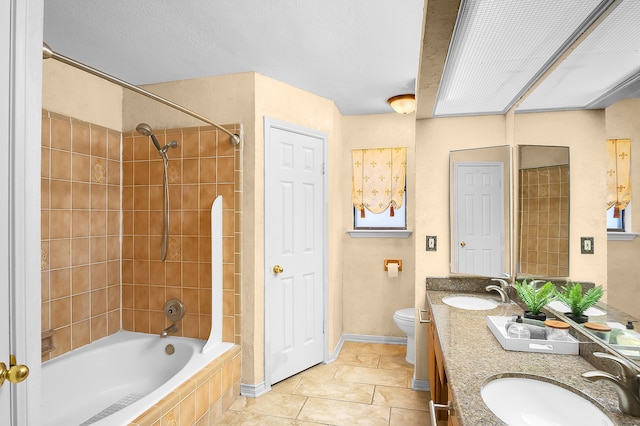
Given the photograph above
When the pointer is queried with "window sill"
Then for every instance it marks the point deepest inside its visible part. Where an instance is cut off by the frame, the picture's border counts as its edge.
(621, 236)
(380, 233)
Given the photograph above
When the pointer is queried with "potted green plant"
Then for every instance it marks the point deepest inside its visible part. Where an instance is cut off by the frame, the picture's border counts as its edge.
(535, 298)
(571, 295)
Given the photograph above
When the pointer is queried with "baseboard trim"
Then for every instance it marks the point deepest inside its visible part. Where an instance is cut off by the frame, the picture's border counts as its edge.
(253, 391)
(331, 357)
(365, 338)
(420, 385)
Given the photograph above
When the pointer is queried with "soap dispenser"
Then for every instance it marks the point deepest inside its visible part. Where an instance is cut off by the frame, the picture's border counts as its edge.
(629, 337)
(518, 330)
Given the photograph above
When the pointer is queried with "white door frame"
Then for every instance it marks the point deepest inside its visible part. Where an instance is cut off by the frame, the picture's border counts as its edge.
(273, 123)
(21, 134)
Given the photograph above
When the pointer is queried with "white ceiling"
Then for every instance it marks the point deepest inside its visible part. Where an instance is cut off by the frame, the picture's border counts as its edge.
(530, 54)
(357, 53)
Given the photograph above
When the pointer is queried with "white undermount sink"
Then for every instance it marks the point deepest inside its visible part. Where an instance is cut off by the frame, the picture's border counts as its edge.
(562, 308)
(522, 401)
(471, 303)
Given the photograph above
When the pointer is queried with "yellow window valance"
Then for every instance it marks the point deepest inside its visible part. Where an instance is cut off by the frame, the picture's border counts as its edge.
(378, 179)
(618, 174)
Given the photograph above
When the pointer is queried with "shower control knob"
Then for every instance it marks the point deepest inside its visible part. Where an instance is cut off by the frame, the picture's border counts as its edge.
(277, 269)
(174, 310)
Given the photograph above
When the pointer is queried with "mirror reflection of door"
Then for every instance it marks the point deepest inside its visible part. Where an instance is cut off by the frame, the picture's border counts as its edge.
(479, 211)
(479, 220)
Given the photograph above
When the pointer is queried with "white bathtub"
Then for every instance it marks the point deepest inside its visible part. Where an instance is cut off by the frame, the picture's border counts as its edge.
(124, 374)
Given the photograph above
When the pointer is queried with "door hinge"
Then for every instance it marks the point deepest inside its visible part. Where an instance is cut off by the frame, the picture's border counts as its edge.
(322, 168)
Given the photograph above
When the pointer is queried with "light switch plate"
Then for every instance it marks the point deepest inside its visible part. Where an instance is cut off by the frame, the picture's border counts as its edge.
(586, 245)
(432, 243)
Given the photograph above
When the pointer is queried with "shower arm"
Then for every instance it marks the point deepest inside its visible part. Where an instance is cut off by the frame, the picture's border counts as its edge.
(48, 53)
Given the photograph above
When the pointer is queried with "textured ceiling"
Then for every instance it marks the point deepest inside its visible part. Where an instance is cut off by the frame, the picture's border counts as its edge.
(357, 53)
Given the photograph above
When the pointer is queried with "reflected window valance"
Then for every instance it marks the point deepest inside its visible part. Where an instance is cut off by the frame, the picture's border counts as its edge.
(378, 179)
(618, 174)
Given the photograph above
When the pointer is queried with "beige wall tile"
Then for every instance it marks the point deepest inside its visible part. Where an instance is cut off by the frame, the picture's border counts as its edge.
(85, 227)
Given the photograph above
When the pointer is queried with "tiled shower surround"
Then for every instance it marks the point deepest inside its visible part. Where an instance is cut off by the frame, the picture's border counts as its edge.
(80, 219)
(202, 167)
(95, 180)
(543, 247)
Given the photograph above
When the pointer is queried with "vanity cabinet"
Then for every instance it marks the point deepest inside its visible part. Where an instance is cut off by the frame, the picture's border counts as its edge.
(438, 385)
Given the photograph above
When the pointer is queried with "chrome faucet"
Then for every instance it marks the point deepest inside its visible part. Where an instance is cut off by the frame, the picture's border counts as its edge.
(627, 384)
(173, 328)
(502, 289)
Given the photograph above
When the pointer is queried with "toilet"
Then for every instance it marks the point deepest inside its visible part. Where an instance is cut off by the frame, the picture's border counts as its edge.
(404, 319)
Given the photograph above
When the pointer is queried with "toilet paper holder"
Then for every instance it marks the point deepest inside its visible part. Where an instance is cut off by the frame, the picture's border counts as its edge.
(388, 261)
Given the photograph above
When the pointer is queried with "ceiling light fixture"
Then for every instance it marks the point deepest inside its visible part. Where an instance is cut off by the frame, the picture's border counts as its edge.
(403, 104)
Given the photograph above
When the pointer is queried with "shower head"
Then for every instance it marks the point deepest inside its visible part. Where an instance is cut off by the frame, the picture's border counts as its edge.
(145, 129)
(172, 144)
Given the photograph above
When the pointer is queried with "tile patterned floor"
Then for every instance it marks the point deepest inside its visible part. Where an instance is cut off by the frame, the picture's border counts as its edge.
(369, 384)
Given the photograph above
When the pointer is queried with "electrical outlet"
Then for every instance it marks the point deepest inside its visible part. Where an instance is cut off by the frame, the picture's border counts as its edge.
(586, 245)
(432, 243)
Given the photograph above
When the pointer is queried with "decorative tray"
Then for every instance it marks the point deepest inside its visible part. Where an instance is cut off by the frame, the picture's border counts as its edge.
(496, 325)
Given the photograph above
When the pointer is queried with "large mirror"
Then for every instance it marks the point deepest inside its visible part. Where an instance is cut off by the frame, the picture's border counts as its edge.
(479, 211)
(542, 211)
(542, 241)
(626, 342)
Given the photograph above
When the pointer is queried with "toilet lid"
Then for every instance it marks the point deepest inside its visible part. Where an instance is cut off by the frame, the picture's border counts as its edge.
(407, 313)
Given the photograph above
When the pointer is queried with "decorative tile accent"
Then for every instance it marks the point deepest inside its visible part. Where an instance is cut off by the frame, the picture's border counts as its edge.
(173, 173)
(173, 252)
(44, 260)
(99, 172)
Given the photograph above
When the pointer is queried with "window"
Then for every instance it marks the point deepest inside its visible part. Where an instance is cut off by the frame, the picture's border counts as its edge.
(618, 177)
(379, 192)
(619, 228)
(382, 220)
(615, 224)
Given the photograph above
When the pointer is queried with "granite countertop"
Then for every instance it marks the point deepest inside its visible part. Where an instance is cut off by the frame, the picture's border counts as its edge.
(472, 355)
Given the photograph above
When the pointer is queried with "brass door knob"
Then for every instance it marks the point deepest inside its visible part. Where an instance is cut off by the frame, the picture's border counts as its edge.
(277, 269)
(15, 374)
(462, 244)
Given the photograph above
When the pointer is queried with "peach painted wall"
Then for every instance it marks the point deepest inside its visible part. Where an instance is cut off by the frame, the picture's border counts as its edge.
(370, 296)
(584, 133)
(74, 93)
(581, 131)
(434, 139)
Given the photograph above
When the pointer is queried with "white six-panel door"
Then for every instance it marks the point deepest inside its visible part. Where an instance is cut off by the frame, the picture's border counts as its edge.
(294, 250)
(479, 219)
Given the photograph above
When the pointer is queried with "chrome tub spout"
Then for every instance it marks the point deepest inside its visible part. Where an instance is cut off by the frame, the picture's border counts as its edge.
(173, 328)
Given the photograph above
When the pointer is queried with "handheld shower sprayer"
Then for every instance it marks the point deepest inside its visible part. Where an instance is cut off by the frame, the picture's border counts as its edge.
(145, 129)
